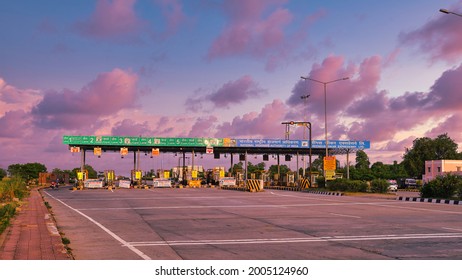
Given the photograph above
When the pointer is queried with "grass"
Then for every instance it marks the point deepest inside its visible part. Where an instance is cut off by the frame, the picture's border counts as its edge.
(12, 190)
(7, 211)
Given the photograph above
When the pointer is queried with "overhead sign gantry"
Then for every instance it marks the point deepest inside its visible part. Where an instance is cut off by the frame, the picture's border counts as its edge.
(216, 146)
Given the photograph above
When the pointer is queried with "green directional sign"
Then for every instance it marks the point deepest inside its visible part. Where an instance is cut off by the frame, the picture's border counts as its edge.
(142, 141)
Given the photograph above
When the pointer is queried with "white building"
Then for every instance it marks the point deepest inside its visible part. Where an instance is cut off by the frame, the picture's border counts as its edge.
(435, 168)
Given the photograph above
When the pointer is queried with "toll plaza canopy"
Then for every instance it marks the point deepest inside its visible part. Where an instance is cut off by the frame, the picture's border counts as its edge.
(212, 145)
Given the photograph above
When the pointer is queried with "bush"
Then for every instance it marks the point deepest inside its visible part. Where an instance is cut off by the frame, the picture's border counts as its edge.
(321, 182)
(338, 185)
(379, 186)
(445, 187)
(345, 185)
(11, 188)
(7, 211)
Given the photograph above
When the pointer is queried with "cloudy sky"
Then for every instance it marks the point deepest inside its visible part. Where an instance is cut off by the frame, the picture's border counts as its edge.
(205, 68)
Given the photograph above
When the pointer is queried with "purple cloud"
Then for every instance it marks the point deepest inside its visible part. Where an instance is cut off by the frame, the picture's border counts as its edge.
(439, 38)
(114, 19)
(232, 92)
(109, 93)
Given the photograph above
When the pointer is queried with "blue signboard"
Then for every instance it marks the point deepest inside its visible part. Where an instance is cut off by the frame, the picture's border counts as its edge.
(341, 144)
(279, 143)
(269, 143)
(209, 142)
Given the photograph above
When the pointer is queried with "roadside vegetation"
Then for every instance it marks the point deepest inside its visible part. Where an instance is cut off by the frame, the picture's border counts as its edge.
(444, 187)
(12, 191)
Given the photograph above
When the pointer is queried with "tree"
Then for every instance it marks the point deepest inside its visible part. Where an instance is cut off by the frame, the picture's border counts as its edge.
(92, 174)
(380, 170)
(425, 148)
(317, 164)
(284, 169)
(2, 173)
(362, 160)
(27, 171)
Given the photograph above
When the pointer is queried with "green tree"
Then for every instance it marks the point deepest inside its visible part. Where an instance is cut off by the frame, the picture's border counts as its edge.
(237, 167)
(283, 168)
(27, 171)
(317, 164)
(381, 170)
(362, 160)
(2, 173)
(92, 174)
(425, 148)
(398, 171)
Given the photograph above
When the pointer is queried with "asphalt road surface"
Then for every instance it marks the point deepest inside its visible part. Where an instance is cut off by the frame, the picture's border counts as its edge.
(215, 224)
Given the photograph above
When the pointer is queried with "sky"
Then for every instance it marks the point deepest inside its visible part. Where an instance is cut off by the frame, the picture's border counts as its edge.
(204, 68)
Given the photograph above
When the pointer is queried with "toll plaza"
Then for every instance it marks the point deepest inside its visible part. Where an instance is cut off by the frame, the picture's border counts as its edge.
(276, 148)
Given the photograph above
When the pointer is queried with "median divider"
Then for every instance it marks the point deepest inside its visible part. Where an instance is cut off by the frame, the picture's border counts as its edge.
(430, 200)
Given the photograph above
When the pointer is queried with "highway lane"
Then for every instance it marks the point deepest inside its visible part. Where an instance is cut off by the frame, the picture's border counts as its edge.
(212, 223)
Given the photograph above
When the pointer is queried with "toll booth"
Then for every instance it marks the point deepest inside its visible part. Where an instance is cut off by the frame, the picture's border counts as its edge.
(136, 177)
(81, 178)
(289, 179)
(239, 178)
(276, 180)
(109, 178)
(314, 176)
(265, 176)
(163, 174)
(218, 172)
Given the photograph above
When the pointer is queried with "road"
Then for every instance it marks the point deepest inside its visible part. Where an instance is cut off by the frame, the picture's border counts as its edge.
(198, 224)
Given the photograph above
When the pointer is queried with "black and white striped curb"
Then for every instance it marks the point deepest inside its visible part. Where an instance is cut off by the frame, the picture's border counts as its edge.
(430, 200)
(326, 193)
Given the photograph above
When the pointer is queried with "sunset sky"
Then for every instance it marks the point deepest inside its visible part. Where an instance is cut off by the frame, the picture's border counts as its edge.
(171, 68)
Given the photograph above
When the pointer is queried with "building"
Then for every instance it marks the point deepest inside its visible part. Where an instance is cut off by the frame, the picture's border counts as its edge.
(435, 168)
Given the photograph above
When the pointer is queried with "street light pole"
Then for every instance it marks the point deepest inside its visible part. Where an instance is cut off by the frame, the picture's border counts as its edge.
(304, 98)
(325, 104)
(449, 12)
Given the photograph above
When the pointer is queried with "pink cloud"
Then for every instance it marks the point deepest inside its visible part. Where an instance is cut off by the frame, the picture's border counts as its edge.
(250, 30)
(14, 124)
(203, 127)
(12, 98)
(130, 127)
(111, 19)
(109, 93)
(452, 125)
(372, 114)
(363, 80)
(232, 92)
(439, 38)
(263, 124)
(380, 117)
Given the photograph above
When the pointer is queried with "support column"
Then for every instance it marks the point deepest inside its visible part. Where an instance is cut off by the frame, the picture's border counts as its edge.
(232, 165)
(184, 171)
(245, 173)
(82, 159)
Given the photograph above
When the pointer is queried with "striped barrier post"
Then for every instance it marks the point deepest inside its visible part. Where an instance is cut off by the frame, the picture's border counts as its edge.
(305, 183)
(254, 185)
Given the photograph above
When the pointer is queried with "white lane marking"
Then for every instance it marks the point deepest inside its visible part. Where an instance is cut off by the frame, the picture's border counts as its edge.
(415, 208)
(113, 235)
(456, 229)
(347, 216)
(151, 198)
(295, 240)
(232, 206)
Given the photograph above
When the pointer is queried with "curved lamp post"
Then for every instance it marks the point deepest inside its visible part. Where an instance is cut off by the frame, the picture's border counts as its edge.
(325, 103)
(449, 12)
